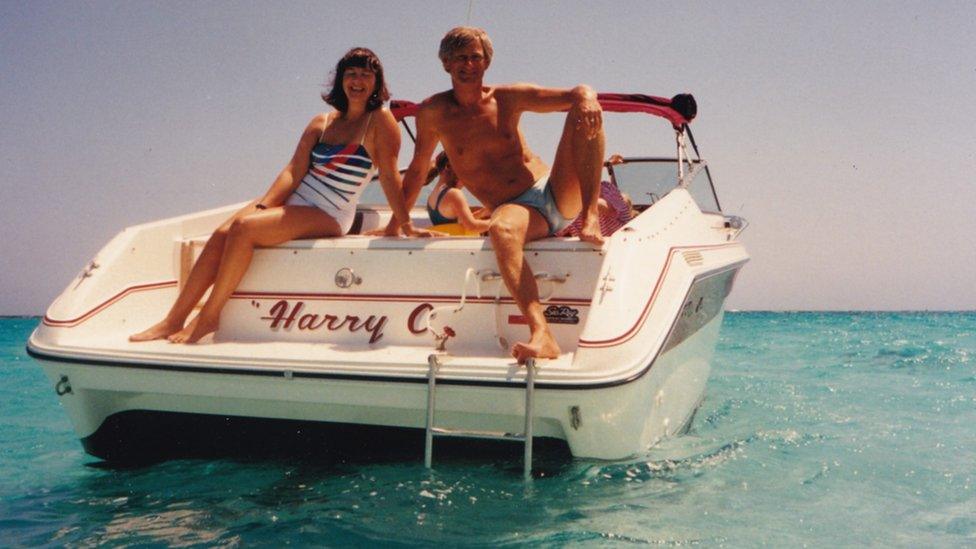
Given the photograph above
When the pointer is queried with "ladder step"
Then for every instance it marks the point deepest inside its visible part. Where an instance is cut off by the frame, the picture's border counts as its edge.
(468, 433)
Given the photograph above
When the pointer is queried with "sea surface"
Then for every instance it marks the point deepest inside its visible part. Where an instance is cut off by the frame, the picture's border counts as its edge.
(818, 429)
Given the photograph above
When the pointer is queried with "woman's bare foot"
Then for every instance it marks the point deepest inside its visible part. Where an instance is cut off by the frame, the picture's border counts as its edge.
(541, 345)
(181, 335)
(194, 331)
(161, 330)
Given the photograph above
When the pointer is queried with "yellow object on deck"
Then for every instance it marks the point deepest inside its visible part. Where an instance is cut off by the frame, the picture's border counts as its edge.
(454, 229)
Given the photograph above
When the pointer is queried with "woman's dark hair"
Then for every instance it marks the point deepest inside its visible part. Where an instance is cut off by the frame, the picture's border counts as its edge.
(361, 58)
(440, 162)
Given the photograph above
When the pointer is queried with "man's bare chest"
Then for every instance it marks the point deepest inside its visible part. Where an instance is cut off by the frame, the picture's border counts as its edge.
(485, 128)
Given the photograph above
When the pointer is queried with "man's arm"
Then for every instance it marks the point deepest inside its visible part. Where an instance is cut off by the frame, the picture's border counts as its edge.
(580, 101)
(387, 145)
(413, 179)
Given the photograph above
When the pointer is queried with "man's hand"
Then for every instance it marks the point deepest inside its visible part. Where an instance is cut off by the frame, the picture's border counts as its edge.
(588, 113)
(378, 232)
(391, 229)
(410, 230)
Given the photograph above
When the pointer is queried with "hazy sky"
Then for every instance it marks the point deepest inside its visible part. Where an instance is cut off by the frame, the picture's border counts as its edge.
(843, 131)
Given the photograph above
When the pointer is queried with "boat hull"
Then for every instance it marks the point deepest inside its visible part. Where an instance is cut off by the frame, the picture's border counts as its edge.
(610, 422)
(335, 332)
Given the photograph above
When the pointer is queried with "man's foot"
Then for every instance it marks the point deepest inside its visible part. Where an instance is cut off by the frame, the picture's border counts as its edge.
(590, 231)
(195, 331)
(541, 345)
(161, 330)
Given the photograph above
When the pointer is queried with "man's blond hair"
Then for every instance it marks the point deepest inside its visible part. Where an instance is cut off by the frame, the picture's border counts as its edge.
(459, 37)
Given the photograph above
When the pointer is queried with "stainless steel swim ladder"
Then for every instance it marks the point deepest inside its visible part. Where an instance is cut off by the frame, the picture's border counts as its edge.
(432, 430)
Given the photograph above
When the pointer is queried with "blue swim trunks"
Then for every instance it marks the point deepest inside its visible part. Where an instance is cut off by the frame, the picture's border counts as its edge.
(539, 198)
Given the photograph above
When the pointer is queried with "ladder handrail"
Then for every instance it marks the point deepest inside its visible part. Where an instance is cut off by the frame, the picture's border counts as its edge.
(432, 366)
(529, 397)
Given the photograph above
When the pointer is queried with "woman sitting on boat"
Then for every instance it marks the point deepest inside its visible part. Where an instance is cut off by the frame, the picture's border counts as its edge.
(447, 205)
(314, 196)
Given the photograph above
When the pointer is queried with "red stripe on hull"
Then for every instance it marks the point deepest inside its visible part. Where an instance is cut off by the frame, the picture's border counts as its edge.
(403, 298)
(48, 321)
(629, 334)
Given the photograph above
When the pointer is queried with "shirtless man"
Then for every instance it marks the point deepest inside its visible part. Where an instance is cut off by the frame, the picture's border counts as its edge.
(478, 126)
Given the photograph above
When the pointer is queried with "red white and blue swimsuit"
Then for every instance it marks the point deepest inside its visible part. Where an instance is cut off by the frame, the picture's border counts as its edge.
(336, 177)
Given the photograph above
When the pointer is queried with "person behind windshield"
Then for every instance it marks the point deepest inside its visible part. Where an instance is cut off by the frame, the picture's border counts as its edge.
(447, 203)
(314, 196)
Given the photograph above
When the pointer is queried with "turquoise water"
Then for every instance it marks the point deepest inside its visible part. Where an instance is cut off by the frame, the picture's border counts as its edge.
(818, 429)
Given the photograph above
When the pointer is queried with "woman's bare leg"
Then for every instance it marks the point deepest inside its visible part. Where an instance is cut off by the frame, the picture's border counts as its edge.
(201, 277)
(264, 228)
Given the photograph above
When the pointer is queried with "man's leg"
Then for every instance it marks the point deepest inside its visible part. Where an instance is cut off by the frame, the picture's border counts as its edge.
(511, 227)
(575, 177)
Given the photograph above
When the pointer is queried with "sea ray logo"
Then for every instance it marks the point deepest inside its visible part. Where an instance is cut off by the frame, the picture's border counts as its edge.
(561, 314)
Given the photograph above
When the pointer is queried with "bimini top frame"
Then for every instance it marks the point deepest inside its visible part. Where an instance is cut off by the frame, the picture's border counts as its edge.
(679, 110)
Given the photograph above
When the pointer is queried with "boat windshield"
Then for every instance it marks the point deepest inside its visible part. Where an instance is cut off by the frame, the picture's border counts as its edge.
(647, 180)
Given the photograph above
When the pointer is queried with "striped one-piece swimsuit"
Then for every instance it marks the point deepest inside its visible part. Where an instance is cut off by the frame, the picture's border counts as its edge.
(335, 180)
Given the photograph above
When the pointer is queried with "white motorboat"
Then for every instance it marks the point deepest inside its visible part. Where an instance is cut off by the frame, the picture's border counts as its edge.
(353, 330)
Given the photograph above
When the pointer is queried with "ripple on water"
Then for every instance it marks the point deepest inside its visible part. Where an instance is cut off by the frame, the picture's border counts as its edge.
(862, 421)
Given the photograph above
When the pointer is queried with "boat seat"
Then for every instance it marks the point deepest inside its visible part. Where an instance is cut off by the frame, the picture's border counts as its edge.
(357, 223)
